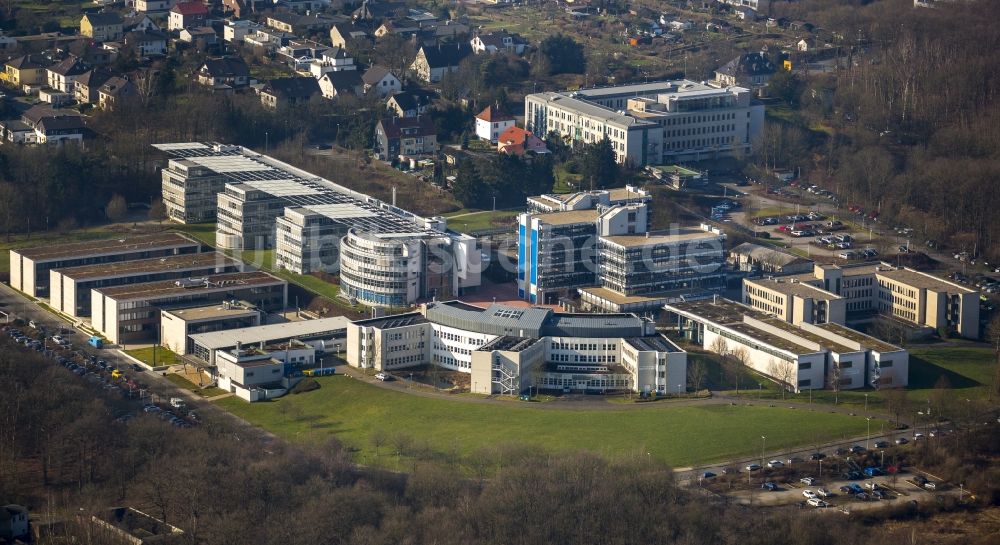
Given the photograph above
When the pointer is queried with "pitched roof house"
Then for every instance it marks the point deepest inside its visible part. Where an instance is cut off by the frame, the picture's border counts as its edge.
(24, 70)
(751, 70)
(404, 136)
(517, 141)
(224, 74)
(498, 42)
(381, 81)
(491, 122)
(187, 14)
(85, 87)
(147, 42)
(61, 75)
(287, 91)
(103, 27)
(433, 62)
(334, 84)
(115, 92)
(411, 103)
(341, 33)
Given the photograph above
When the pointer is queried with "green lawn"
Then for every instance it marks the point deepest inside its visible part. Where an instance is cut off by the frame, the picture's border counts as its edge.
(44, 238)
(164, 356)
(488, 219)
(353, 411)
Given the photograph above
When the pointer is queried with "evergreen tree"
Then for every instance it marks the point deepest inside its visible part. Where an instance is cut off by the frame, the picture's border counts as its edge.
(599, 165)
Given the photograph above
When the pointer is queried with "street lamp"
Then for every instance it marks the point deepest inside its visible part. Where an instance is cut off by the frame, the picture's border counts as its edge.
(763, 441)
(679, 389)
(866, 403)
(869, 436)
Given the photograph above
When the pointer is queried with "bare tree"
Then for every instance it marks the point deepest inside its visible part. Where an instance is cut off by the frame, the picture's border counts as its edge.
(378, 438)
(696, 374)
(741, 359)
(833, 381)
(897, 402)
(782, 371)
(158, 211)
(116, 208)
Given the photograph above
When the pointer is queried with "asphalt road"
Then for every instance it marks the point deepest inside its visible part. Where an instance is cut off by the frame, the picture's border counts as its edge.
(12, 302)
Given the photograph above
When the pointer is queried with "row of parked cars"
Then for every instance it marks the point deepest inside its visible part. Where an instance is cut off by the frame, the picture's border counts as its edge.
(983, 282)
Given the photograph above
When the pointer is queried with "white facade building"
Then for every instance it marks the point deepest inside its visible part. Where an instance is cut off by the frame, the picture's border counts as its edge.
(652, 123)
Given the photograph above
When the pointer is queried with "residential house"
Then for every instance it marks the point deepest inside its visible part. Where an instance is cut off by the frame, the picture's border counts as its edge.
(147, 43)
(498, 42)
(342, 33)
(116, 92)
(62, 74)
(802, 45)
(139, 22)
(54, 97)
(243, 8)
(25, 70)
(283, 92)
(153, 6)
(410, 103)
(517, 141)
(86, 86)
(294, 23)
(268, 38)
(405, 29)
(13, 523)
(491, 122)
(433, 62)
(334, 59)
(381, 81)
(334, 84)
(225, 74)
(100, 54)
(404, 137)
(298, 54)
(751, 70)
(379, 11)
(187, 14)
(7, 42)
(199, 35)
(103, 27)
(435, 32)
(235, 31)
(48, 126)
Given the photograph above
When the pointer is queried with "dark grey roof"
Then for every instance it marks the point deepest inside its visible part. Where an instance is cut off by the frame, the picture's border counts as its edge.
(375, 74)
(345, 81)
(293, 88)
(445, 55)
(226, 67)
(593, 325)
(411, 100)
(104, 18)
(749, 64)
(94, 78)
(60, 123)
(396, 320)
(493, 320)
(70, 66)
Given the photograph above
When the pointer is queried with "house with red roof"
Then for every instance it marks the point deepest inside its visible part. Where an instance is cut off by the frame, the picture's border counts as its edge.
(516, 141)
(491, 122)
(186, 15)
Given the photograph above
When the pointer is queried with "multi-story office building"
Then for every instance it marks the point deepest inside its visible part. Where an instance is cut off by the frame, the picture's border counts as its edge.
(269, 204)
(585, 200)
(755, 258)
(189, 191)
(178, 325)
(924, 301)
(29, 267)
(507, 350)
(323, 335)
(130, 314)
(799, 357)
(70, 287)
(794, 302)
(557, 251)
(651, 123)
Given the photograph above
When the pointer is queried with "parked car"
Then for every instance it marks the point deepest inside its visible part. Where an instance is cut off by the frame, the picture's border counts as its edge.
(901, 441)
(381, 376)
(823, 493)
(753, 467)
(707, 475)
(816, 502)
(817, 456)
(794, 460)
(881, 444)
(774, 464)
(808, 481)
(930, 486)
(770, 486)
(809, 493)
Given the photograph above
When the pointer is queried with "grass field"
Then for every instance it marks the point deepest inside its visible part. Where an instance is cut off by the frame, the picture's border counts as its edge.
(353, 411)
(478, 221)
(164, 356)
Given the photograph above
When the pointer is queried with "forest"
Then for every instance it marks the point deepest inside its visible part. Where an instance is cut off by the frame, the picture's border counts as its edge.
(63, 452)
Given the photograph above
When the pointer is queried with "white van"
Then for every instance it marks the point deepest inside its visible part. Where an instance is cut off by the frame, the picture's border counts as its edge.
(177, 403)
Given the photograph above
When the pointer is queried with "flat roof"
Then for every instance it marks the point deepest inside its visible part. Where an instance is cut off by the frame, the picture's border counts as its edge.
(106, 246)
(683, 234)
(211, 312)
(591, 109)
(769, 254)
(859, 337)
(719, 310)
(921, 280)
(800, 289)
(141, 266)
(568, 217)
(168, 288)
(393, 321)
(796, 331)
(612, 296)
(215, 340)
(781, 343)
(658, 343)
